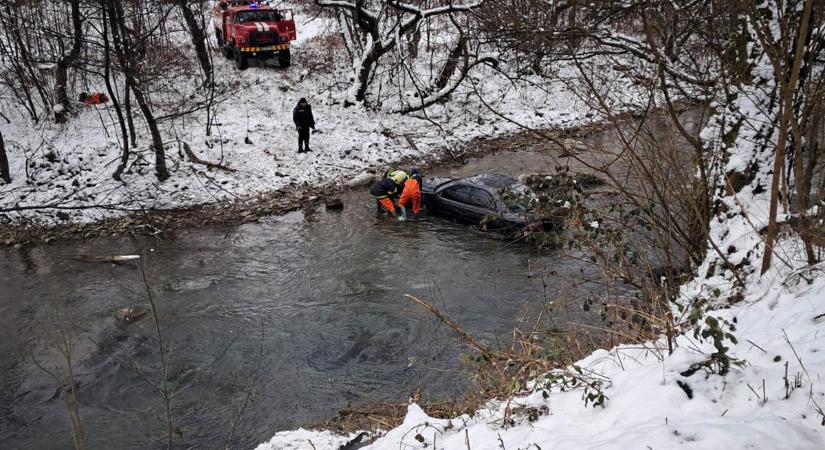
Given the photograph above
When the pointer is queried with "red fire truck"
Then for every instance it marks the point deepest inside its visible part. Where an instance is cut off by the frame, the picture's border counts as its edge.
(246, 29)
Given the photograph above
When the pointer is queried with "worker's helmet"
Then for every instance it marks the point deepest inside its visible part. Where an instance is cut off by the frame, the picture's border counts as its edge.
(399, 176)
(413, 171)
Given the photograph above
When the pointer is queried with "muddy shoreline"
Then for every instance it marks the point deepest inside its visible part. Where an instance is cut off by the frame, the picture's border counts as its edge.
(253, 207)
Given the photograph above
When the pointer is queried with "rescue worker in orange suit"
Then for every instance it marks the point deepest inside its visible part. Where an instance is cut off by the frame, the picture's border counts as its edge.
(411, 194)
(417, 177)
(385, 190)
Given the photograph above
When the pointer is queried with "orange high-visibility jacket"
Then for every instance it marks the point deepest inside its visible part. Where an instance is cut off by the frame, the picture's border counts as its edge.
(411, 193)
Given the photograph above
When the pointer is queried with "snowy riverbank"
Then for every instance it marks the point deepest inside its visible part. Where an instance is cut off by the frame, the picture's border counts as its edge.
(62, 173)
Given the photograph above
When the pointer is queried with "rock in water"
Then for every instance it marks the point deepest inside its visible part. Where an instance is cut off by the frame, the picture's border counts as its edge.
(334, 204)
(131, 314)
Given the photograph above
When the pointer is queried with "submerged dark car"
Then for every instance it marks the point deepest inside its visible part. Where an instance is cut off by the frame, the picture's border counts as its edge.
(489, 200)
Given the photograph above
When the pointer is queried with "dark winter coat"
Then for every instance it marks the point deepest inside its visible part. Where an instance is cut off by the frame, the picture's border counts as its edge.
(302, 116)
(383, 189)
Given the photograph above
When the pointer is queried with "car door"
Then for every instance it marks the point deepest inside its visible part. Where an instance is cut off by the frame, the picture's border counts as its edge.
(452, 202)
(481, 204)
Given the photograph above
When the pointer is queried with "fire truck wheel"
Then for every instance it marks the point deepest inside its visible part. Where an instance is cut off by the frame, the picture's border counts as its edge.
(227, 50)
(240, 59)
(283, 58)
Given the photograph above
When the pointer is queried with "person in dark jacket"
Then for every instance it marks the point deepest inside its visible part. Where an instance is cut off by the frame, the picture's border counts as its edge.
(393, 174)
(386, 190)
(302, 116)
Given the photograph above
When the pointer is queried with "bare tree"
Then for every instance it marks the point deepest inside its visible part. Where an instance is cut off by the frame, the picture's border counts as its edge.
(372, 29)
(107, 78)
(787, 57)
(61, 98)
(198, 38)
(65, 345)
(26, 85)
(126, 49)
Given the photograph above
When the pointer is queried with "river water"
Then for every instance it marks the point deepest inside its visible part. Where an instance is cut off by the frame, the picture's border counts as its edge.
(305, 310)
(312, 303)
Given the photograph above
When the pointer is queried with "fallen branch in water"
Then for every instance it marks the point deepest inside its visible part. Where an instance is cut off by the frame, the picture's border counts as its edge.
(471, 341)
(111, 259)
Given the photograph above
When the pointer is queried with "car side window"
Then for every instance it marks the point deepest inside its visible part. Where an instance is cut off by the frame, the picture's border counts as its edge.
(456, 193)
(482, 199)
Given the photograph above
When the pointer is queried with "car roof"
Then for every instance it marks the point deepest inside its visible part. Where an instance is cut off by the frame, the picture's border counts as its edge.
(492, 180)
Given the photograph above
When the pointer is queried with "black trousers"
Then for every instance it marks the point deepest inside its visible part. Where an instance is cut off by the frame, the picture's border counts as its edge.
(303, 139)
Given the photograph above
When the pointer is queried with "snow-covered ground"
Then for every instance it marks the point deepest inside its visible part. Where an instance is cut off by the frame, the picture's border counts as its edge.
(71, 165)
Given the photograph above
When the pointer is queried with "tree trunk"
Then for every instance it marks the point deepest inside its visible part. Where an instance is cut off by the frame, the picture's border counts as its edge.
(19, 69)
(372, 55)
(120, 37)
(4, 161)
(61, 97)
(198, 37)
(127, 105)
(161, 171)
(814, 150)
(788, 83)
(452, 62)
(415, 41)
(107, 63)
(27, 60)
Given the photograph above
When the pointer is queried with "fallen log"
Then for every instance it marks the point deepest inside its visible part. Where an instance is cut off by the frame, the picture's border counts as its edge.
(195, 159)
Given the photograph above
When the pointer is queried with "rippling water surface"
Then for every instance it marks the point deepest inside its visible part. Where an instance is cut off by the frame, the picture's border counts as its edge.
(314, 304)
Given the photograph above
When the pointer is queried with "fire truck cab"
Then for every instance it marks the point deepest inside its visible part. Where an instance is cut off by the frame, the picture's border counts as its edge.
(247, 29)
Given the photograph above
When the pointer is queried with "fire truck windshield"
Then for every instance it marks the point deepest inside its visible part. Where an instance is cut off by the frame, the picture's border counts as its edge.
(259, 16)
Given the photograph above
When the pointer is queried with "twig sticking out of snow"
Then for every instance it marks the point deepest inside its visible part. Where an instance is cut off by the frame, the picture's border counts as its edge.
(796, 354)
